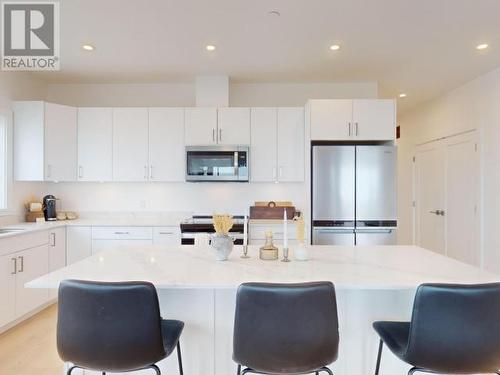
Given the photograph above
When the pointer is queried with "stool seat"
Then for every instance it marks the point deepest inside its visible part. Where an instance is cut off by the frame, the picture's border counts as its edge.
(171, 332)
(395, 335)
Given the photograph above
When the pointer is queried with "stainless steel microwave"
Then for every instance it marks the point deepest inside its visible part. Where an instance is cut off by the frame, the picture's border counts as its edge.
(217, 163)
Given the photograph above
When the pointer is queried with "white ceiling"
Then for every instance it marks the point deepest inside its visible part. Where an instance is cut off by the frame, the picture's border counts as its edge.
(421, 47)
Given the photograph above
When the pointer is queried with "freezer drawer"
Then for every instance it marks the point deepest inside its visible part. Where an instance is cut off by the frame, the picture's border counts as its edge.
(376, 184)
(333, 183)
(329, 236)
(375, 237)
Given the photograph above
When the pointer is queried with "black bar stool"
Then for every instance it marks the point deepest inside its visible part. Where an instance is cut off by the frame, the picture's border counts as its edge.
(285, 328)
(454, 329)
(114, 327)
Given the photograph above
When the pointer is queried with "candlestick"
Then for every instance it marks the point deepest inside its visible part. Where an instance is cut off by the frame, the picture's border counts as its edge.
(285, 229)
(245, 237)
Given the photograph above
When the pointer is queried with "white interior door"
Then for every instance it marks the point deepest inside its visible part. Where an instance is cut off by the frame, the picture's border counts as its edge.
(166, 144)
(447, 181)
(430, 189)
(95, 143)
(462, 184)
(130, 144)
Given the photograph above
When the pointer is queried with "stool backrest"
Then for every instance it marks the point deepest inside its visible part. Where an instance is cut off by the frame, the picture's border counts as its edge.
(456, 328)
(109, 326)
(285, 328)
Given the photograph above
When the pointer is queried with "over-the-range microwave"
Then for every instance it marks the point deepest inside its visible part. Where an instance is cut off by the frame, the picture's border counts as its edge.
(217, 163)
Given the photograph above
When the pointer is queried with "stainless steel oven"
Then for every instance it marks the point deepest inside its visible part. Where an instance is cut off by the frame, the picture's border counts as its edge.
(217, 163)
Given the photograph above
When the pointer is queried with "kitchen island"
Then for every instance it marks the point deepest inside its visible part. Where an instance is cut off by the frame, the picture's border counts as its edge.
(372, 283)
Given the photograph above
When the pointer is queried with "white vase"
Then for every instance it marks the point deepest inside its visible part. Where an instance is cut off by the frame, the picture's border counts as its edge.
(301, 252)
(223, 245)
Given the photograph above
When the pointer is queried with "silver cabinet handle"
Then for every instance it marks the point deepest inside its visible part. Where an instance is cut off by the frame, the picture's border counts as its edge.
(349, 129)
(145, 172)
(220, 135)
(122, 232)
(280, 171)
(22, 264)
(165, 232)
(80, 171)
(357, 132)
(274, 173)
(49, 170)
(213, 135)
(52, 239)
(151, 172)
(15, 266)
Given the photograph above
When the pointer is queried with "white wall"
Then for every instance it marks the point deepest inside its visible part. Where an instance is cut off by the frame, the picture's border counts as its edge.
(183, 94)
(474, 105)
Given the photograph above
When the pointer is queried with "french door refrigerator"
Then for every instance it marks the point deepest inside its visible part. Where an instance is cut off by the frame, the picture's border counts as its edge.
(353, 195)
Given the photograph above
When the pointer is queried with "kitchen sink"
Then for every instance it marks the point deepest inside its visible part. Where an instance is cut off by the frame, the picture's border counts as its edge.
(10, 230)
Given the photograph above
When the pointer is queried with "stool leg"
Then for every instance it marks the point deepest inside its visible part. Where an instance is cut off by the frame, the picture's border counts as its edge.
(179, 358)
(238, 371)
(379, 356)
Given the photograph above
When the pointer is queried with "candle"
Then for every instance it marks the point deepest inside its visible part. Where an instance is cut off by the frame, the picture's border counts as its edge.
(285, 230)
(245, 231)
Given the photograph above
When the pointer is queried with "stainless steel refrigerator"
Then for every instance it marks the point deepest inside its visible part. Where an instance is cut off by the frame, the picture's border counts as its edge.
(353, 195)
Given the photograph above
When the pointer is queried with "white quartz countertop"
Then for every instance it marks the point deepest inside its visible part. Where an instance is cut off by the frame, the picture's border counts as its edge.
(380, 267)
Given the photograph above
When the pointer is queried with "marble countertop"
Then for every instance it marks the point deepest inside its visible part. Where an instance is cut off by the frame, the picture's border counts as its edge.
(379, 267)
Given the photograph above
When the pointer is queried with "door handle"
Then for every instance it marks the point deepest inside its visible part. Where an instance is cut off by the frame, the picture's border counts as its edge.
(213, 135)
(434, 212)
(220, 135)
(349, 129)
(22, 264)
(15, 266)
(80, 171)
(356, 125)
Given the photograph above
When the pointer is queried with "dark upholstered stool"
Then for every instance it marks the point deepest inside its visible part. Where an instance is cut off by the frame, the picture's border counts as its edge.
(114, 327)
(285, 328)
(454, 329)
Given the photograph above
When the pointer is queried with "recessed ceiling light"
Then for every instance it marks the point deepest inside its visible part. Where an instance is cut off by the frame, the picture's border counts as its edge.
(274, 13)
(334, 47)
(402, 95)
(482, 46)
(88, 47)
(210, 47)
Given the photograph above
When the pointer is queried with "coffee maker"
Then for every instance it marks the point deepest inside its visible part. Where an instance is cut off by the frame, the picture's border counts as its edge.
(49, 208)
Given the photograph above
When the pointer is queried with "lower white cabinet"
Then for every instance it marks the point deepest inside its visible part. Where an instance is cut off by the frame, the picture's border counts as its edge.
(99, 246)
(57, 253)
(167, 235)
(78, 243)
(108, 238)
(8, 270)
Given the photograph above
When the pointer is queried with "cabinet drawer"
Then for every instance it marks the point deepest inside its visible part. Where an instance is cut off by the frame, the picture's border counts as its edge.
(258, 231)
(167, 236)
(122, 233)
(23, 241)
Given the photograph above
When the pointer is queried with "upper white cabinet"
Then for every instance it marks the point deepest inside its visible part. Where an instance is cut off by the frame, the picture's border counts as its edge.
(263, 153)
(130, 144)
(277, 144)
(374, 119)
(95, 144)
(291, 144)
(211, 126)
(166, 144)
(45, 142)
(348, 120)
(200, 126)
(233, 126)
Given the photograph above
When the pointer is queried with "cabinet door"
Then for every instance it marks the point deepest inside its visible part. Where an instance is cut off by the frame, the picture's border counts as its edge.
(130, 144)
(7, 288)
(166, 144)
(331, 120)
(78, 244)
(57, 253)
(233, 126)
(31, 263)
(374, 119)
(166, 236)
(60, 142)
(263, 154)
(200, 126)
(95, 144)
(291, 144)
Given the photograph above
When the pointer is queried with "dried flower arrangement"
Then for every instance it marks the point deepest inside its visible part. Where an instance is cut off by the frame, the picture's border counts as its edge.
(222, 224)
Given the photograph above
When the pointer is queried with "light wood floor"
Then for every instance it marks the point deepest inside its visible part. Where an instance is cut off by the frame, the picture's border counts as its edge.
(30, 347)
